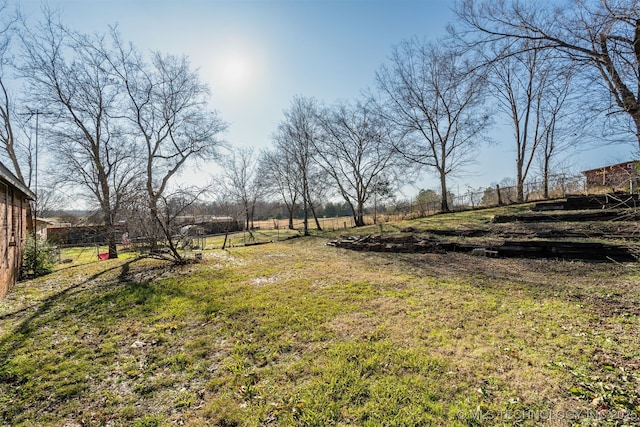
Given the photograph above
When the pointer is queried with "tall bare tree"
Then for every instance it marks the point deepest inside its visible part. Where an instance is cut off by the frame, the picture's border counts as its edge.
(527, 88)
(295, 136)
(436, 102)
(169, 116)
(7, 113)
(558, 110)
(356, 151)
(279, 175)
(601, 35)
(11, 121)
(240, 181)
(70, 78)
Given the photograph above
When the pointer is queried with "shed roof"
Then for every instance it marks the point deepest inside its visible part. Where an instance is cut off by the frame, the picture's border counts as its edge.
(9, 177)
(618, 165)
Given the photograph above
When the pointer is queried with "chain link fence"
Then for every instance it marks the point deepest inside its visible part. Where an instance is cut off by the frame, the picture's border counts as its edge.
(558, 186)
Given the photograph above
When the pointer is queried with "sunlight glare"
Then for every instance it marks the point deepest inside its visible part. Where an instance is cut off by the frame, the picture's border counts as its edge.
(236, 72)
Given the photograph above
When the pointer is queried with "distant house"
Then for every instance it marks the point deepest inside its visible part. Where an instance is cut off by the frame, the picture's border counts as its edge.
(621, 176)
(42, 225)
(14, 204)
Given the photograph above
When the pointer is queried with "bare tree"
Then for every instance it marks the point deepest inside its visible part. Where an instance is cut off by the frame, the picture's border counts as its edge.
(239, 179)
(280, 176)
(295, 136)
(8, 139)
(559, 132)
(528, 91)
(436, 102)
(71, 79)
(603, 36)
(168, 114)
(12, 121)
(356, 151)
(49, 200)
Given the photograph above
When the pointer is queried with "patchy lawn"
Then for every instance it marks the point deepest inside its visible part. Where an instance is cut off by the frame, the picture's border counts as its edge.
(299, 333)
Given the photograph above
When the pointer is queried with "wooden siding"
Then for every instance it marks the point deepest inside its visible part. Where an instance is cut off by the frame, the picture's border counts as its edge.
(614, 176)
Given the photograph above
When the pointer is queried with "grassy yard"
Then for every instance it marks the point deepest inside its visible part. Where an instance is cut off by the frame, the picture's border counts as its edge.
(300, 333)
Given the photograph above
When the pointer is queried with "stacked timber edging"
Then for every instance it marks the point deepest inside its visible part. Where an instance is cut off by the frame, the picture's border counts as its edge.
(594, 201)
(575, 228)
(589, 251)
(400, 244)
(580, 208)
(591, 215)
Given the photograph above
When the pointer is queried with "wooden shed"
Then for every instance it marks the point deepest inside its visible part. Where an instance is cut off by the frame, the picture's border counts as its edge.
(617, 177)
(14, 205)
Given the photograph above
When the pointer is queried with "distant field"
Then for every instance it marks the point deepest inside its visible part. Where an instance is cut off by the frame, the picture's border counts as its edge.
(300, 333)
(330, 224)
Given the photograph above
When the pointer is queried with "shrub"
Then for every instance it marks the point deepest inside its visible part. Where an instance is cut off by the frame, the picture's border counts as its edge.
(39, 256)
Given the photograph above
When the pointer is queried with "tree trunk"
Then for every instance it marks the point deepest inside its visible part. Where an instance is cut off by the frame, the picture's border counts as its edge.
(164, 228)
(444, 203)
(519, 182)
(290, 212)
(174, 252)
(111, 236)
(545, 179)
(358, 218)
(636, 120)
(315, 217)
(291, 220)
(305, 220)
(375, 209)
(252, 214)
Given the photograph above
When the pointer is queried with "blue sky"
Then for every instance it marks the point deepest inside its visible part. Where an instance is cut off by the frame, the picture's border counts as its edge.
(257, 55)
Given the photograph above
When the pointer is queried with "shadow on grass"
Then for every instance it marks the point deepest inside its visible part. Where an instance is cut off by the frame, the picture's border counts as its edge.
(44, 305)
(57, 350)
(84, 301)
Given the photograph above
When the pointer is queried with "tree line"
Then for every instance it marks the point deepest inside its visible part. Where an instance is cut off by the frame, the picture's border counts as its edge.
(122, 124)
(557, 74)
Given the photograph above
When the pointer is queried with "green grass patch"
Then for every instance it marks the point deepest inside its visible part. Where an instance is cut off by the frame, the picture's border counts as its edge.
(299, 333)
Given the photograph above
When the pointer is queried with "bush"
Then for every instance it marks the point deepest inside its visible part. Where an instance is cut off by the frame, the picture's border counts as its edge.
(39, 257)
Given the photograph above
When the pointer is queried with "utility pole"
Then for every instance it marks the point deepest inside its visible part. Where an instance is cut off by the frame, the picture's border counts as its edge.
(36, 113)
(35, 202)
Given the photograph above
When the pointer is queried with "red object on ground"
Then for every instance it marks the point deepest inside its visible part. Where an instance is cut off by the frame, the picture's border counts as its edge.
(103, 256)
